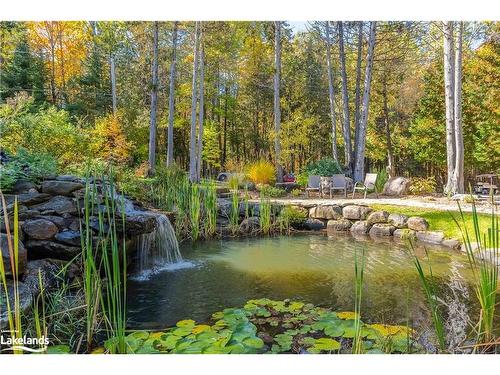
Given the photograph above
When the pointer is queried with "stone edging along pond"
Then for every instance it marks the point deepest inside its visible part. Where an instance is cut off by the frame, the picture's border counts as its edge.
(361, 220)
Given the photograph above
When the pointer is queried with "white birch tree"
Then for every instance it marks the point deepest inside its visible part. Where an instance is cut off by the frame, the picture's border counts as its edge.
(154, 99)
(192, 138)
(331, 92)
(345, 100)
(359, 167)
(277, 110)
(458, 179)
(171, 98)
(449, 77)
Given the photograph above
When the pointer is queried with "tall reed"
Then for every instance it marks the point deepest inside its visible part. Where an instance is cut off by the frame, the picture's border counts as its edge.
(234, 214)
(265, 217)
(483, 256)
(210, 208)
(195, 211)
(430, 291)
(13, 310)
(359, 270)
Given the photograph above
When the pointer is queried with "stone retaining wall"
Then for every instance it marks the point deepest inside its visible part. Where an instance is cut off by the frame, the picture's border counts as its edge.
(363, 220)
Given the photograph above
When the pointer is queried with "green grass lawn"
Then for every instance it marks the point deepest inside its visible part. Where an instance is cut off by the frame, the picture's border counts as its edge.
(440, 220)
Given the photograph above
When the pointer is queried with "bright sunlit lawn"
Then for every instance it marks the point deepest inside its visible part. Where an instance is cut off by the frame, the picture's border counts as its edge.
(439, 220)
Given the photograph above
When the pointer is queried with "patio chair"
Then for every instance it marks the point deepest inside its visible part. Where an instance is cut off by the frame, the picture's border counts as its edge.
(338, 183)
(313, 184)
(368, 184)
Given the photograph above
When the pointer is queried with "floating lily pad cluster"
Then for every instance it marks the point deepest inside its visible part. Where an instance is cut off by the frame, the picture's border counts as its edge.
(267, 326)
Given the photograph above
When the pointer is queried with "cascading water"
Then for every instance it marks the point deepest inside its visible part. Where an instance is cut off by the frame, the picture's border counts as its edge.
(159, 247)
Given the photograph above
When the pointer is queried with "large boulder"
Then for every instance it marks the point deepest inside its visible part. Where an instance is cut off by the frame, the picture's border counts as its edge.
(55, 187)
(136, 223)
(326, 212)
(23, 186)
(398, 220)
(341, 225)
(45, 269)
(28, 199)
(354, 212)
(430, 237)
(378, 217)
(69, 237)
(40, 229)
(396, 186)
(417, 223)
(48, 249)
(249, 225)
(314, 224)
(382, 230)
(360, 227)
(59, 205)
(22, 254)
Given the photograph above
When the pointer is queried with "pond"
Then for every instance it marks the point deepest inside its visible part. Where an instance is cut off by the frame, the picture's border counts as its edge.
(310, 268)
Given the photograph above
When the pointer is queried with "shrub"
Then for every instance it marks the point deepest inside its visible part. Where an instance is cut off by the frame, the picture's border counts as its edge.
(323, 167)
(271, 191)
(294, 215)
(296, 192)
(382, 178)
(422, 185)
(26, 165)
(262, 172)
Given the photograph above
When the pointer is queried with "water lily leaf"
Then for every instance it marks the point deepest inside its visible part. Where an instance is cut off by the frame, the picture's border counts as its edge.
(334, 330)
(253, 342)
(200, 328)
(99, 350)
(139, 335)
(324, 344)
(182, 331)
(347, 315)
(309, 341)
(237, 348)
(296, 306)
(186, 323)
(167, 342)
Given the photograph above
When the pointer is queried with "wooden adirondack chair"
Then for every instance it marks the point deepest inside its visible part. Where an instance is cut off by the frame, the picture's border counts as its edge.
(368, 184)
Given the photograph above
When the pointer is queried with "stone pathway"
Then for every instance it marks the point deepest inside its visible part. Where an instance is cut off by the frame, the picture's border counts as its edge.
(442, 204)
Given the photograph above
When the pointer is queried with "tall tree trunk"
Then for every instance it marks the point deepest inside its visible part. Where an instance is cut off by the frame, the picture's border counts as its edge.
(357, 97)
(449, 76)
(359, 168)
(201, 114)
(331, 93)
(390, 156)
(154, 99)
(192, 138)
(345, 100)
(113, 84)
(171, 98)
(458, 179)
(277, 110)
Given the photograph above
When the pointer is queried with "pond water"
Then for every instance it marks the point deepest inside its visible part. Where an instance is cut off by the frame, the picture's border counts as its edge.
(311, 268)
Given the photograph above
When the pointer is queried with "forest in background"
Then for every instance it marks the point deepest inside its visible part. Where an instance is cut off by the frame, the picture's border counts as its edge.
(78, 90)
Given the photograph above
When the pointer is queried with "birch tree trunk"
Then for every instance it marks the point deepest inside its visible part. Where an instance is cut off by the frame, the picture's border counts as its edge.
(357, 97)
(277, 110)
(359, 167)
(171, 98)
(449, 76)
(390, 155)
(201, 114)
(154, 99)
(345, 100)
(331, 93)
(192, 140)
(458, 180)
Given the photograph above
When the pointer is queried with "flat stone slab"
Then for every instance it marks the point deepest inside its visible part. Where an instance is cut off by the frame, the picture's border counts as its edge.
(56, 187)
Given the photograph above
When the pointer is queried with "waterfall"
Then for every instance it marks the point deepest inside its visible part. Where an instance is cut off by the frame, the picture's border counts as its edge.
(158, 248)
